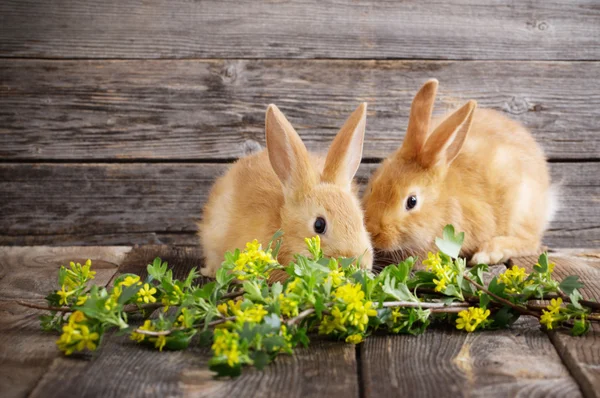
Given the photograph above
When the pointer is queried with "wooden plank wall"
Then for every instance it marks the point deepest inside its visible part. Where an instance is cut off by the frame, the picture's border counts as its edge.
(116, 116)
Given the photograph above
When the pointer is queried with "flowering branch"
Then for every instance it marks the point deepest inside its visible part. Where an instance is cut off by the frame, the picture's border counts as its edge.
(522, 310)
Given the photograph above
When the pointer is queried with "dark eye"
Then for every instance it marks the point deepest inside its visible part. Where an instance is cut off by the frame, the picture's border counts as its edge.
(320, 225)
(411, 202)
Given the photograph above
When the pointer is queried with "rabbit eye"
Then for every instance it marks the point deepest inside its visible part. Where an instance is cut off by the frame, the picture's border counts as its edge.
(411, 202)
(320, 225)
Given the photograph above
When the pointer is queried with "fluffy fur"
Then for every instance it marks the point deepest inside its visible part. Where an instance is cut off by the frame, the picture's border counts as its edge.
(285, 187)
(475, 169)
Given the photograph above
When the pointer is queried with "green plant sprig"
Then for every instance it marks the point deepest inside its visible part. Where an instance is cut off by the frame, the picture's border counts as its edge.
(248, 321)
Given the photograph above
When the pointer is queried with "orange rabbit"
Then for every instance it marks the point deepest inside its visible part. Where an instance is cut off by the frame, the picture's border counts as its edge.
(475, 169)
(285, 187)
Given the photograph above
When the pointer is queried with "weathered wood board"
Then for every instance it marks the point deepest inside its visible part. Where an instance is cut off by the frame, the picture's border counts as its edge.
(29, 274)
(455, 29)
(580, 354)
(64, 204)
(520, 361)
(179, 110)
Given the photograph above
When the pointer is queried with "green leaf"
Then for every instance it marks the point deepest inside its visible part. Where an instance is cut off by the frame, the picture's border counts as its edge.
(223, 370)
(157, 269)
(451, 243)
(542, 264)
(273, 321)
(497, 288)
(261, 359)
(484, 300)
(252, 291)
(128, 293)
(570, 283)
(580, 327)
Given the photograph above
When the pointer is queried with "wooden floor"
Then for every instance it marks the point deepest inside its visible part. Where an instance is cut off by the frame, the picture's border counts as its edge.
(521, 361)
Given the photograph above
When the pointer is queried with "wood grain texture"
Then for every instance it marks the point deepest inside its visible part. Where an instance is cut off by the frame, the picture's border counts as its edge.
(580, 354)
(214, 109)
(66, 204)
(519, 361)
(32, 272)
(455, 29)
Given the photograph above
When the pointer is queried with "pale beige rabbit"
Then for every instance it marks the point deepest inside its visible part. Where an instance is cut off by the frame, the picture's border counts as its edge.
(284, 187)
(475, 169)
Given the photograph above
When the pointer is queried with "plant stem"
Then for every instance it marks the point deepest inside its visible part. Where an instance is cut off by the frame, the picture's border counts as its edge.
(412, 304)
(43, 307)
(522, 310)
(129, 309)
(233, 294)
(300, 316)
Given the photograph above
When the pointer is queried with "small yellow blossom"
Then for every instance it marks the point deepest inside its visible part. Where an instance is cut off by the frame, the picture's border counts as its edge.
(288, 306)
(63, 295)
(440, 285)
(396, 315)
(354, 338)
(222, 308)
(433, 261)
(160, 342)
(86, 339)
(548, 319)
(514, 279)
(130, 281)
(471, 318)
(146, 294)
(555, 305)
(81, 300)
(226, 343)
(139, 337)
(336, 277)
(253, 261)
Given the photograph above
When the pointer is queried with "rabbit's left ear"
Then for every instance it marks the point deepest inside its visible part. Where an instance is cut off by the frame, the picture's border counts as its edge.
(345, 153)
(446, 141)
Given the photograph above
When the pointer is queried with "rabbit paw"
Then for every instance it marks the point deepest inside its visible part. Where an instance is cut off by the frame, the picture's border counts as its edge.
(488, 257)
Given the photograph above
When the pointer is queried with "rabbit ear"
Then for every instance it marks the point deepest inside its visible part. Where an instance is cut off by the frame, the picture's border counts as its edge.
(446, 141)
(345, 153)
(287, 153)
(418, 122)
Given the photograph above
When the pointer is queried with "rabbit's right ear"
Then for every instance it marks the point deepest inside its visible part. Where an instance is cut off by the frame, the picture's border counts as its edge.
(287, 153)
(419, 119)
(345, 153)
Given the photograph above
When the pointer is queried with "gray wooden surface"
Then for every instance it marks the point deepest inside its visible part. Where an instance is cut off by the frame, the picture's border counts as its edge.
(120, 204)
(116, 116)
(454, 29)
(519, 361)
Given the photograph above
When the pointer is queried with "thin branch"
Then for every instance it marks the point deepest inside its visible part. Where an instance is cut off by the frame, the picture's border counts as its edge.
(234, 294)
(300, 316)
(412, 304)
(129, 308)
(168, 332)
(522, 310)
(43, 307)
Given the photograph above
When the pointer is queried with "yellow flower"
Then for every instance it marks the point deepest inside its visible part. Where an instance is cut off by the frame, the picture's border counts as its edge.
(81, 300)
(288, 306)
(222, 308)
(336, 277)
(86, 339)
(554, 305)
(130, 281)
(396, 315)
(112, 301)
(253, 261)
(255, 314)
(548, 319)
(139, 337)
(471, 318)
(354, 338)
(440, 284)
(160, 342)
(146, 294)
(433, 261)
(292, 287)
(514, 279)
(226, 344)
(63, 295)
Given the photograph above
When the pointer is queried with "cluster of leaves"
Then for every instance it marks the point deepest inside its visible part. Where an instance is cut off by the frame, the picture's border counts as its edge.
(248, 321)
